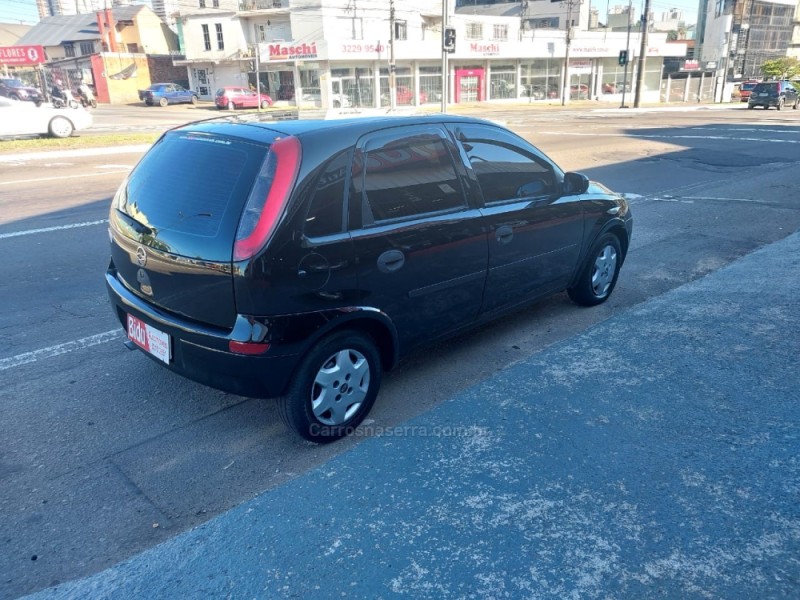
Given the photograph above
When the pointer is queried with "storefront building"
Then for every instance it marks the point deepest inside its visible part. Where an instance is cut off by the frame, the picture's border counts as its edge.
(346, 74)
(326, 65)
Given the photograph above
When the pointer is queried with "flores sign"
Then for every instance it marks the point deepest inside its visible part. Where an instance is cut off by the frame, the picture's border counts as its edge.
(21, 55)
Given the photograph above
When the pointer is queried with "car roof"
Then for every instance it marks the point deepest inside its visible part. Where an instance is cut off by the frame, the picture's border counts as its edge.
(232, 125)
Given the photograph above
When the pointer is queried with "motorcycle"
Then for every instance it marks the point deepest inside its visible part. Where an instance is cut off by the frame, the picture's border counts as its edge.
(59, 98)
(84, 95)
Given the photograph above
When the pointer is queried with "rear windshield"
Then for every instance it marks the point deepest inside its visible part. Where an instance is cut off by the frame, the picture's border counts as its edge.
(748, 86)
(766, 87)
(190, 190)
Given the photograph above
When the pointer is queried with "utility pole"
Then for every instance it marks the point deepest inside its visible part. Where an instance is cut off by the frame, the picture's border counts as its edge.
(258, 76)
(565, 90)
(642, 55)
(627, 54)
(445, 85)
(392, 67)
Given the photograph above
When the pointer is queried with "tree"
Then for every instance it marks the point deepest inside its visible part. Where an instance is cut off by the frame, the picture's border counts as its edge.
(672, 36)
(781, 68)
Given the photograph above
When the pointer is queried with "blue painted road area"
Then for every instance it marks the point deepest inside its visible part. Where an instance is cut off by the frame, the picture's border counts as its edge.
(656, 455)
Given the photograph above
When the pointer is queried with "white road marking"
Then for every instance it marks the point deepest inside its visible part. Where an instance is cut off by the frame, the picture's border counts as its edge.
(83, 152)
(792, 130)
(671, 137)
(42, 353)
(49, 229)
(78, 176)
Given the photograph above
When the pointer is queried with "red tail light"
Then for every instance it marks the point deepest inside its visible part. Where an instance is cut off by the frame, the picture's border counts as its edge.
(267, 201)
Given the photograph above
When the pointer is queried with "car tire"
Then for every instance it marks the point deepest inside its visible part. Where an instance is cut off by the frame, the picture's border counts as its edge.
(796, 103)
(231, 105)
(60, 127)
(14, 97)
(163, 102)
(194, 100)
(264, 104)
(334, 387)
(148, 102)
(751, 106)
(598, 277)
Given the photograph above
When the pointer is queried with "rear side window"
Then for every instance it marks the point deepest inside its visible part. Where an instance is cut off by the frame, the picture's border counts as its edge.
(325, 212)
(408, 177)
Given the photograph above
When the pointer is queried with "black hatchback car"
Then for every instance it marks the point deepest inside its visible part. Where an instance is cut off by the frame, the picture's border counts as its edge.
(302, 259)
(774, 93)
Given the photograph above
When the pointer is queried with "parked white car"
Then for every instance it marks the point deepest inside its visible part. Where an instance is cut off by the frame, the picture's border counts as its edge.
(25, 118)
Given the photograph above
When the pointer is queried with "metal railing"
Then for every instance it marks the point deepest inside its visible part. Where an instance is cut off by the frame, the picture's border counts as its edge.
(262, 4)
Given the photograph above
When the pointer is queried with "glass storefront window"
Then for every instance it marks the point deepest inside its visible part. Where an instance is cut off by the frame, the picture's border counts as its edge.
(404, 82)
(503, 82)
(541, 79)
(613, 78)
(356, 84)
(309, 82)
(430, 83)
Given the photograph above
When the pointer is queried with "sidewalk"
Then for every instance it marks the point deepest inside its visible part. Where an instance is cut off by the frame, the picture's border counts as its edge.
(654, 455)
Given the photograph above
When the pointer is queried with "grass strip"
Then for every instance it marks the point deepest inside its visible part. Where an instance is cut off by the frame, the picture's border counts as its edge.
(76, 142)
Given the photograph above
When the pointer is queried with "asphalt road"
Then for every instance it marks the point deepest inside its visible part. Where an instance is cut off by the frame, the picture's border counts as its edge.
(103, 454)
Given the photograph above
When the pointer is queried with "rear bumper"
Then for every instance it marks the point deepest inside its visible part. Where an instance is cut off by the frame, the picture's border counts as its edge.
(200, 353)
(763, 101)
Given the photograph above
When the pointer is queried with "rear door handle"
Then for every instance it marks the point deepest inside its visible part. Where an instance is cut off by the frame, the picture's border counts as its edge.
(391, 261)
(504, 234)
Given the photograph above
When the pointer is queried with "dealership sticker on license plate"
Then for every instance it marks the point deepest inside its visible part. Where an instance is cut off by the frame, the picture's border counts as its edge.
(149, 338)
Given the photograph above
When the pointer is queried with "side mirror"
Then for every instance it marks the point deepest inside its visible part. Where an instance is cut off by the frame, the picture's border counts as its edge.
(575, 183)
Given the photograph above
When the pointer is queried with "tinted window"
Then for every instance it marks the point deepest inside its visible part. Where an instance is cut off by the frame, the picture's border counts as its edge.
(325, 211)
(506, 172)
(766, 87)
(192, 187)
(409, 177)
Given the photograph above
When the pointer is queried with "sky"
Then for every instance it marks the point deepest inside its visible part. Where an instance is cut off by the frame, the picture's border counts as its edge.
(14, 11)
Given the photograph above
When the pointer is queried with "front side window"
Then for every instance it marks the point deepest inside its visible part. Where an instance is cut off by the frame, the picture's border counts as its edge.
(220, 40)
(505, 171)
(206, 38)
(408, 177)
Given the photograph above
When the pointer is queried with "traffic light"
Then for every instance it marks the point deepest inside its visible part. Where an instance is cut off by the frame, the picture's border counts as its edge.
(623, 57)
(449, 41)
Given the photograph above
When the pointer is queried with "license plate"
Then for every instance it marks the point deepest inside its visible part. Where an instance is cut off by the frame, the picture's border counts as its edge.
(764, 94)
(149, 338)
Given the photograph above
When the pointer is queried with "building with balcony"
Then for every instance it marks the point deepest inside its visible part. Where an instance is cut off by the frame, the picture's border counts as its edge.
(339, 53)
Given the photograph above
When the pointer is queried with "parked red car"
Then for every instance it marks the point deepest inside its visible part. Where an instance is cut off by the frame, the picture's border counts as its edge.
(406, 95)
(233, 97)
(746, 89)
